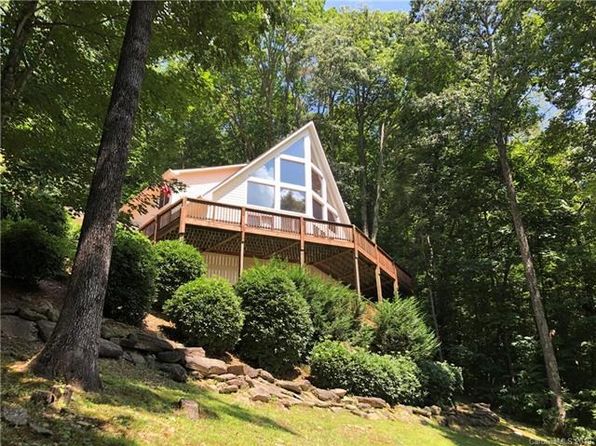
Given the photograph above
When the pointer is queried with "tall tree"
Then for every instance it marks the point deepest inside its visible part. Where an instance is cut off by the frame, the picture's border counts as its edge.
(72, 350)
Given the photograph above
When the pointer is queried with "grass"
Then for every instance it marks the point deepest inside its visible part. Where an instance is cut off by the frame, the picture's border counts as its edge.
(137, 407)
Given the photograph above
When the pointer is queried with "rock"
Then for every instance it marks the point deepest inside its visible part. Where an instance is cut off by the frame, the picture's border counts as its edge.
(52, 313)
(15, 327)
(378, 403)
(146, 342)
(259, 394)
(289, 385)
(195, 374)
(43, 397)
(40, 429)
(435, 410)
(107, 349)
(266, 376)
(243, 369)
(340, 392)
(364, 406)
(335, 409)
(305, 385)
(422, 412)
(323, 404)
(222, 378)
(137, 358)
(45, 328)
(127, 357)
(239, 382)
(30, 314)
(113, 329)
(175, 371)
(172, 356)
(15, 415)
(190, 408)
(207, 366)
(8, 307)
(325, 395)
(193, 352)
(226, 388)
(150, 360)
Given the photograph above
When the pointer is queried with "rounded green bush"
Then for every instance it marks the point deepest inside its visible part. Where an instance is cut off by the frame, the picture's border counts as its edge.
(400, 329)
(29, 253)
(207, 313)
(335, 309)
(177, 263)
(47, 211)
(441, 381)
(395, 379)
(131, 290)
(277, 327)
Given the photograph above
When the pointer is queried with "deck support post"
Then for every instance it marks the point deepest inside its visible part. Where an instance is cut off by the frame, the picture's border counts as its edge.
(183, 211)
(242, 240)
(395, 288)
(378, 275)
(155, 228)
(356, 266)
(302, 230)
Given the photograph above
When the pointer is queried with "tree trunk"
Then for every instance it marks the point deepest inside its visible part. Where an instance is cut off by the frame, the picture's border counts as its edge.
(72, 350)
(22, 33)
(431, 295)
(550, 360)
(363, 181)
(379, 188)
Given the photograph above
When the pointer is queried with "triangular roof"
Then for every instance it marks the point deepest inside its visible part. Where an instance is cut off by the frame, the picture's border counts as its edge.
(316, 149)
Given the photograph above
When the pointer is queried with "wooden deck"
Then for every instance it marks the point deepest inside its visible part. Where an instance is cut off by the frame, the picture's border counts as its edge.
(342, 251)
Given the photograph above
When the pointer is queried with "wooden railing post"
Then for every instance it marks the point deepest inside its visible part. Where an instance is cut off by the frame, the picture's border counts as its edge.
(183, 212)
(155, 227)
(356, 266)
(378, 275)
(302, 231)
(242, 240)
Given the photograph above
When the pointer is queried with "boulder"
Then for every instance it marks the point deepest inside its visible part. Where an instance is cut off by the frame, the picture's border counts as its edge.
(305, 385)
(289, 385)
(259, 394)
(207, 366)
(15, 327)
(45, 328)
(243, 369)
(8, 307)
(224, 377)
(107, 349)
(266, 376)
(146, 342)
(239, 382)
(325, 395)
(340, 392)
(41, 429)
(15, 415)
(373, 401)
(113, 329)
(227, 388)
(30, 314)
(423, 412)
(435, 410)
(137, 358)
(190, 408)
(175, 371)
(43, 397)
(172, 356)
(191, 354)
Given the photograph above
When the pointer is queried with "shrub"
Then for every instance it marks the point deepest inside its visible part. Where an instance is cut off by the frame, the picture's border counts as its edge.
(177, 263)
(207, 313)
(400, 329)
(29, 253)
(47, 211)
(277, 327)
(394, 379)
(335, 309)
(131, 289)
(441, 381)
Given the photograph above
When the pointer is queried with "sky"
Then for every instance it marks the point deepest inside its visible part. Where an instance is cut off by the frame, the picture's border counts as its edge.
(377, 5)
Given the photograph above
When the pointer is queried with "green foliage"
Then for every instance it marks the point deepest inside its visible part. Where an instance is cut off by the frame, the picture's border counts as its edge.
(400, 329)
(131, 290)
(277, 328)
(393, 378)
(207, 313)
(441, 381)
(177, 263)
(47, 211)
(29, 253)
(335, 309)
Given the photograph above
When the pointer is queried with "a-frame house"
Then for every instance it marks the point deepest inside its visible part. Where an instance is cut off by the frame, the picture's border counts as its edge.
(283, 204)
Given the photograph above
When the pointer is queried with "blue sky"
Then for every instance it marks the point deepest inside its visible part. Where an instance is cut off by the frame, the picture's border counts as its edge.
(378, 5)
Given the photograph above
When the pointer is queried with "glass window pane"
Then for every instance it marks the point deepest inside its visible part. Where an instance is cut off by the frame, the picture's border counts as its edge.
(317, 210)
(260, 194)
(292, 172)
(296, 149)
(292, 200)
(266, 171)
(331, 216)
(317, 183)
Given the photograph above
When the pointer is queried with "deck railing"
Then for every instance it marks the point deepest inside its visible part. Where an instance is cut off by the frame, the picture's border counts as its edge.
(229, 217)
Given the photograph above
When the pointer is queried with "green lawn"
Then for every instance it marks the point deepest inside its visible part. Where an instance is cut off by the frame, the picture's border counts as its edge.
(137, 407)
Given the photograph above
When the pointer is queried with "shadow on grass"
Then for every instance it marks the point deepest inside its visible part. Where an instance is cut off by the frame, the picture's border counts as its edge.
(499, 435)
